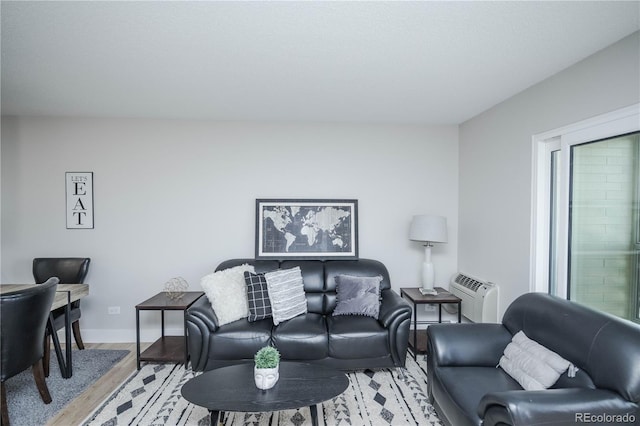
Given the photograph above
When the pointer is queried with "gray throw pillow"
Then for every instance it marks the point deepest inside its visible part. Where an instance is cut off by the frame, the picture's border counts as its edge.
(358, 295)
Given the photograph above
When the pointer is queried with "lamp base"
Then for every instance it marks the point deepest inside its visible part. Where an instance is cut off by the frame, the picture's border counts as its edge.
(427, 291)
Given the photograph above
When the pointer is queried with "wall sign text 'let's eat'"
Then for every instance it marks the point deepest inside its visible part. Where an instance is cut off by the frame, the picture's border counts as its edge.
(79, 200)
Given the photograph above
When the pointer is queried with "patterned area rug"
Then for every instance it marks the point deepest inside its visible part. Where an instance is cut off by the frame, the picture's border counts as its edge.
(152, 397)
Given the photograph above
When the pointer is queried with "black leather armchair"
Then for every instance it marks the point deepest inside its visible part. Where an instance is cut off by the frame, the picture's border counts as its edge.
(347, 342)
(466, 388)
(69, 270)
(23, 319)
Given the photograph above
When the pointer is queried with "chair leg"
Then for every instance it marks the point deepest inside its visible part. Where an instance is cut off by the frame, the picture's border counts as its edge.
(402, 374)
(76, 334)
(47, 354)
(38, 375)
(3, 406)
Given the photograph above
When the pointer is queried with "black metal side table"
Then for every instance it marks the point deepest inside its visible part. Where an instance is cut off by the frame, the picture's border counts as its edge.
(166, 348)
(418, 344)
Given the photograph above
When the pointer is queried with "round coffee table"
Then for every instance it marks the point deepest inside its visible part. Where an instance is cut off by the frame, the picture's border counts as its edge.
(233, 389)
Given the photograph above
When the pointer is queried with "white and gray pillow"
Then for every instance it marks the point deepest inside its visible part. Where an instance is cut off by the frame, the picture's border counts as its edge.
(532, 365)
(358, 295)
(286, 293)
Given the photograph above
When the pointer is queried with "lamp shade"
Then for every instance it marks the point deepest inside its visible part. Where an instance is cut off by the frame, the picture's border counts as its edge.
(428, 228)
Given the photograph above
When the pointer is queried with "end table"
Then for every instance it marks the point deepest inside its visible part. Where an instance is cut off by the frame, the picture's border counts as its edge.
(416, 298)
(166, 348)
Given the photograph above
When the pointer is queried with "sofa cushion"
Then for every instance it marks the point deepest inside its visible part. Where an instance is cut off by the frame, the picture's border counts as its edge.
(531, 364)
(360, 268)
(286, 292)
(313, 281)
(240, 339)
(227, 293)
(312, 273)
(352, 337)
(257, 296)
(260, 265)
(458, 390)
(302, 338)
(358, 295)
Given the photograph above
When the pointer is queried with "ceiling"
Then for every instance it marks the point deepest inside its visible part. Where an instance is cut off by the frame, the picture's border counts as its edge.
(424, 62)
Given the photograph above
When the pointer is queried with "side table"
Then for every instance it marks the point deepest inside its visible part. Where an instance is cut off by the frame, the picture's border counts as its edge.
(166, 348)
(414, 296)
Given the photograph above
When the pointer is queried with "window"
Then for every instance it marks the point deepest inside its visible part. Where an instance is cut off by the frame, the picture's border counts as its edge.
(586, 226)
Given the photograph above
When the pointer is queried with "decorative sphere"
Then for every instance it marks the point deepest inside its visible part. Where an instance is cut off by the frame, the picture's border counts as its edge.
(176, 287)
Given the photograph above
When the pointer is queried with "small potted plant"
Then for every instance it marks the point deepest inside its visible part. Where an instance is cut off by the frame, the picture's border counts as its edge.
(266, 371)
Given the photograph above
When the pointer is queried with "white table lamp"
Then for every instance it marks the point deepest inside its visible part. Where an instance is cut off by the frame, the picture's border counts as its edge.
(428, 229)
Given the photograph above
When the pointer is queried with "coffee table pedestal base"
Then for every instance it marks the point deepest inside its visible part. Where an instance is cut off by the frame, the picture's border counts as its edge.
(216, 416)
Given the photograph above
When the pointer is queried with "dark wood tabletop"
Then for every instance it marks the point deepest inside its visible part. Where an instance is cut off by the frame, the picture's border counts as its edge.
(300, 385)
(162, 301)
(443, 296)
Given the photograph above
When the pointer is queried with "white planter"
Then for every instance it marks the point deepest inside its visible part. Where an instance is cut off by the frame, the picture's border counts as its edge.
(266, 378)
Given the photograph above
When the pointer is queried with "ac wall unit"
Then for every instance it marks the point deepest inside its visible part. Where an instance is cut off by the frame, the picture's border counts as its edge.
(479, 298)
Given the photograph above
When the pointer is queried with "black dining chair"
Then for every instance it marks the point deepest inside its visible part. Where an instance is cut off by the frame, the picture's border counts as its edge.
(23, 320)
(69, 270)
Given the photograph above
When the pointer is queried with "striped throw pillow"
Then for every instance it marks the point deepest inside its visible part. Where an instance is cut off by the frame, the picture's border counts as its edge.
(286, 293)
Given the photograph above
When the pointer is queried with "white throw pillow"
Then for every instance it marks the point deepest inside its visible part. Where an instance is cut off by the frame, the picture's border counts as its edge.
(227, 292)
(532, 365)
(286, 293)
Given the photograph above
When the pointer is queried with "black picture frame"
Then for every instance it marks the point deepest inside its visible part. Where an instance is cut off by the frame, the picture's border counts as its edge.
(306, 229)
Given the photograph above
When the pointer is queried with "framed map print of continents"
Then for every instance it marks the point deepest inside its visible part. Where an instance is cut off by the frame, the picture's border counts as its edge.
(306, 229)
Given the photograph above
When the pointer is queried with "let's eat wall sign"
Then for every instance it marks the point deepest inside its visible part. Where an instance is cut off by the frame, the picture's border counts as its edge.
(79, 200)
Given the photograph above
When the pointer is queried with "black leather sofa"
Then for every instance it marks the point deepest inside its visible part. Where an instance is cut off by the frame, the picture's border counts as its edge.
(466, 388)
(347, 342)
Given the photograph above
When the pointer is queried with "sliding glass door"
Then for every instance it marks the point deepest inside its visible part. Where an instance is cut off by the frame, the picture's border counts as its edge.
(603, 225)
(585, 211)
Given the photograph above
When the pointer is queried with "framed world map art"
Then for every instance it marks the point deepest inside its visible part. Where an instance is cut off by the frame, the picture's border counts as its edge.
(306, 229)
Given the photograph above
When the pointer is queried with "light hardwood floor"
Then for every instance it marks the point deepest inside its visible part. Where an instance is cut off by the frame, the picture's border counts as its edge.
(81, 407)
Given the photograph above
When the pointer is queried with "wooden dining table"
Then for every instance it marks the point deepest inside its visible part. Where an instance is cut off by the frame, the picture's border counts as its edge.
(65, 295)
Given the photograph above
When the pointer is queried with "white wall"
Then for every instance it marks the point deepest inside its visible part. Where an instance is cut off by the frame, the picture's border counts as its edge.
(175, 198)
(496, 159)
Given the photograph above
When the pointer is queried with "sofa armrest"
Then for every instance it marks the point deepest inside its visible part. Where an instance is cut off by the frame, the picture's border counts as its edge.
(392, 306)
(201, 322)
(479, 345)
(569, 406)
(395, 316)
(202, 312)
